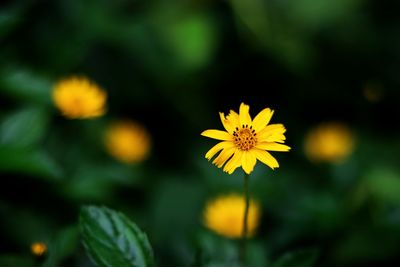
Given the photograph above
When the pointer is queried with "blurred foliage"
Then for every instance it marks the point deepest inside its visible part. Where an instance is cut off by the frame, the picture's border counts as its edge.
(171, 66)
(298, 258)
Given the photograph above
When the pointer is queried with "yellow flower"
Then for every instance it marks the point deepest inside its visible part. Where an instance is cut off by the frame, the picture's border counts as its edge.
(224, 215)
(38, 248)
(246, 140)
(329, 142)
(79, 98)
(128, 141)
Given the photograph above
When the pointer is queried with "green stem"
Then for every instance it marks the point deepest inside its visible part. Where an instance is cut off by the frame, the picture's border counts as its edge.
(243, 244)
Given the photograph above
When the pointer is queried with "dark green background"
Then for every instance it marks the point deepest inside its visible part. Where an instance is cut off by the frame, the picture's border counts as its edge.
(173, 65)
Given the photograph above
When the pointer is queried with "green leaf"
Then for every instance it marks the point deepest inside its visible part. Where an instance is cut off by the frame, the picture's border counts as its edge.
(30, 162)
(24, 84)
(300, 258)
(24, 128)
(112, 240)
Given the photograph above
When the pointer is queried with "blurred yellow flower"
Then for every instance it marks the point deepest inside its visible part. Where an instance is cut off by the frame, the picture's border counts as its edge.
(246, 140)
(79, 98)
(128, 141)
(329, 142)
(224, 215)
(38, 248)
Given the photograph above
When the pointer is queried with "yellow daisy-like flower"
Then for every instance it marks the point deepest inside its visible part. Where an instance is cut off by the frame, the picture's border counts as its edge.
(79, 98)
(329, 142)
(38, 248)
(224, 215)
(128, 141)
(246, 140)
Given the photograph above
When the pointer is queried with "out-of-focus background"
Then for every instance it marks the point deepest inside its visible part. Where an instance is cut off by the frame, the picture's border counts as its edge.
(330, 69)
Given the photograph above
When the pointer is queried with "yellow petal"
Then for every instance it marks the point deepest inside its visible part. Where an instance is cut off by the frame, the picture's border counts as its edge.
(217, 134)
(262, 119)
(272, 133)
(233, 117)
(273, 127)
(224, 156)
(276, 138)
(248, 161)
(218, 147)
(228, 125)
(280, 138)
(272, 147)
(265, 158)
(244, 114)
(234, 162)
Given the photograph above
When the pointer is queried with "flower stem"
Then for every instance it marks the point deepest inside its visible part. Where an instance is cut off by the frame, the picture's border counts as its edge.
(243, 244)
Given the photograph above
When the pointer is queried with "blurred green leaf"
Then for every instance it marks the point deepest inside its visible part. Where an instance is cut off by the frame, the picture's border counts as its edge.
(112, 240)
(279, 36)
(300, 258)
(30, 162)
(253, 14)
(384, 184)
(24, 84)
(291, 47)
(173, 217)
(17, 261)
(97, 181)
(26, 225)
(88, 188)
(323, 209)
(7, 22)
(220, 251)
(63, 245)
(256, 255)
(113, 172)
(11, 16)
(23, 128)
(316, 14)
(192, 39)
(364, 244)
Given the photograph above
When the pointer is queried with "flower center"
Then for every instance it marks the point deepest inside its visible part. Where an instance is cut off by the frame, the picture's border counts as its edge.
(245, 138)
